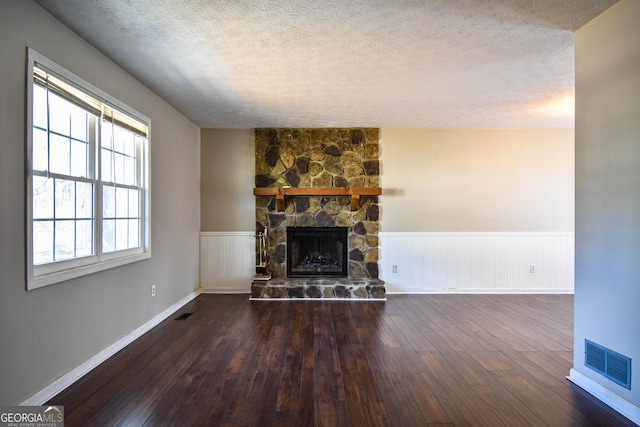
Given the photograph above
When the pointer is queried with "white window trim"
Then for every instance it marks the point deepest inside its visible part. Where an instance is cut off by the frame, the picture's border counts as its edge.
(48, 274)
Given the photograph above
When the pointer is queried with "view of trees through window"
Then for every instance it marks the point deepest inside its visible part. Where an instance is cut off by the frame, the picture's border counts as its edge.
(63, 184)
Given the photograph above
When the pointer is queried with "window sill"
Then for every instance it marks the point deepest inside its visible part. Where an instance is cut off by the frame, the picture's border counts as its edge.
(43, 280)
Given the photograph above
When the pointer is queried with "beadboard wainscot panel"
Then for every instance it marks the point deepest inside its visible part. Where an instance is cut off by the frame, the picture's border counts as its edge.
(478, 262)
(227, 261)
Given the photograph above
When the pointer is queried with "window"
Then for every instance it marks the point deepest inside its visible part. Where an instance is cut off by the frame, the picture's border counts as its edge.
(87, 177)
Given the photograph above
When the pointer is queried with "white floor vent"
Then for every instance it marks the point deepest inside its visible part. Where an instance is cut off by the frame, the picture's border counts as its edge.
(612, 365)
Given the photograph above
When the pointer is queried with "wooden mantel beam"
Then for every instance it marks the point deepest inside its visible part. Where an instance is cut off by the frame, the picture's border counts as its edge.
(354, 193)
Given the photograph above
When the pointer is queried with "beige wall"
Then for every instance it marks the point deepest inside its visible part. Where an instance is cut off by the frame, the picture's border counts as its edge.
(432, 180)
(227, 180)
(477, 180)
(47, 332)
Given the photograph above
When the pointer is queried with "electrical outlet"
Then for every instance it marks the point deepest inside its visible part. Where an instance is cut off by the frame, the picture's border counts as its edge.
(532, 268)
(394, 268)
(153, 290)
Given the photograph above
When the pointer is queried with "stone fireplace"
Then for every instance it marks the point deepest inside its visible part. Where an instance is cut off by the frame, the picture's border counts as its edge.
(318, 179)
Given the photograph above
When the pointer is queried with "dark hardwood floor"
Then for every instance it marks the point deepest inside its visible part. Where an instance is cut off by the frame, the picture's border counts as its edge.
(415, 360)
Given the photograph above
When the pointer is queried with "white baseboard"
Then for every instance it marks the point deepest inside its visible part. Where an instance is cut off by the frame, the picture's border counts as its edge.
(480, 291)
(224, 291)
(319, 299)
(616, 402)
(74, 375)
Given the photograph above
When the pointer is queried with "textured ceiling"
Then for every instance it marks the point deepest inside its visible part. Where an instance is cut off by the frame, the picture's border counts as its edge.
(377, 63)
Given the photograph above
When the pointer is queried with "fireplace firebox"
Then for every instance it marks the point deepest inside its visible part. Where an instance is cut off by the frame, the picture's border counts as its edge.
(317, 251)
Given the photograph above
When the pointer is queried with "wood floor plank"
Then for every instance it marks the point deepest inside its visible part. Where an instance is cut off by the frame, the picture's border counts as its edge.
(327, 374)
(290, 399)
(444, 371)
(414, 360)
(266, 381)
(364, 406)
(542, 401)
(501, 406)
(364, 403)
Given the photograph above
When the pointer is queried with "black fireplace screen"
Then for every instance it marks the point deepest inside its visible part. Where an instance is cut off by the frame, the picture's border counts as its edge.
(317, 251)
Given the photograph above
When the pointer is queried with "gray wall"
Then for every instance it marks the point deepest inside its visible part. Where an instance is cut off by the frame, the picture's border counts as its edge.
(47, 332)
(607, 285)
(228, 175)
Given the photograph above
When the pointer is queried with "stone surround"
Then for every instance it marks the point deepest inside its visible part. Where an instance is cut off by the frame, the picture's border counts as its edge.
(312, 158)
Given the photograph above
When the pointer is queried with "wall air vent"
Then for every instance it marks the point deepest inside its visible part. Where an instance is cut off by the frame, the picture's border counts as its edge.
(607, 362)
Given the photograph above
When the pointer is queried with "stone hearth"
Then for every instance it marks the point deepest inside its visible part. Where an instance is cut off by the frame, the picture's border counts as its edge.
(319, 158)
(339, 288)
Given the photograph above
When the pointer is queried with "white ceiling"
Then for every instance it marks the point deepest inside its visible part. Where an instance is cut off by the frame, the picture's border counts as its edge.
(346, 63)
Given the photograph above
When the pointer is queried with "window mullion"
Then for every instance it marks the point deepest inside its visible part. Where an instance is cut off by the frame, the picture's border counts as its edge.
(53, 226)
(75, 219)
(70, 148)
(48, 131)
(140, 142)
(97, 171)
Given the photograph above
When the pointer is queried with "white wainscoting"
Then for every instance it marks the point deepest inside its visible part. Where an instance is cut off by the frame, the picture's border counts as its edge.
(426, 262)
(477, 262)
(227, 261)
